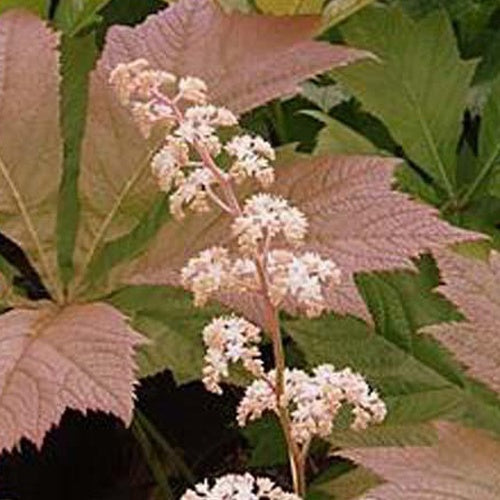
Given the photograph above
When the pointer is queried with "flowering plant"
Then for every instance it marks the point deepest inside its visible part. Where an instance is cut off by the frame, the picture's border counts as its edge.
(265, 227)
(155, 236)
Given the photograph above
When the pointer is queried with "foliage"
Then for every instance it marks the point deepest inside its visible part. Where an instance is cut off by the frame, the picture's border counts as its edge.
(406, 163)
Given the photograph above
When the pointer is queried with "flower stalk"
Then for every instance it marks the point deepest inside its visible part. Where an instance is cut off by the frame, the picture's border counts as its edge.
(267, 231)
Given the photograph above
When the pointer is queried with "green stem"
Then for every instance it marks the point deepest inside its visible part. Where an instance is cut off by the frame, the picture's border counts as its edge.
(280, 121)
(153, 461)
(152, 431)
(464, 200)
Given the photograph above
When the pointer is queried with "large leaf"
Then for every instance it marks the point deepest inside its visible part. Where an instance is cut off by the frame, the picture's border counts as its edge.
(246, 61)
(282, 7)
(30, 142)
(465, 463)
(72, 16)
(489, 146)
(167, 317)
(51, 358)
(78, 56)
(474, 286)
(417, 91)
(39, 7)
(355, 218)
(419, 379)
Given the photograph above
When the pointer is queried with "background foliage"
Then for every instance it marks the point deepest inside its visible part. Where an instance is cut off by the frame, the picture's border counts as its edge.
(433, 100)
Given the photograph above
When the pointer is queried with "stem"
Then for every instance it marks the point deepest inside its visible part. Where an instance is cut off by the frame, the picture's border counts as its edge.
(296, 456)
(231, 205)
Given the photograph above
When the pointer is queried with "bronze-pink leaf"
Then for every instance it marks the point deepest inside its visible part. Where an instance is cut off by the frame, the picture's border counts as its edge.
(30, 139)
(79, 356)
(355, 218)
(245, 59)
(474, 286)
(463, 464)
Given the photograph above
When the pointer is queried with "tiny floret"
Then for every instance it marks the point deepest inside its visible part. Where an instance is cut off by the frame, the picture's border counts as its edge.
(238, 487)
(303, 280)
(168, 162)
(207, 273)
(193, 89)
(252, 159)
(229, 339)
(266, 216)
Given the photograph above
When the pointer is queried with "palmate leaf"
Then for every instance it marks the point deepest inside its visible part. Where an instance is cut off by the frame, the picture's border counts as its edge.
(283, 7)
(78, 356)
(246, 61)
(30, 142)
(168, 318)
(463, 464)
(474, 286)
(355, 218)
(417, 91)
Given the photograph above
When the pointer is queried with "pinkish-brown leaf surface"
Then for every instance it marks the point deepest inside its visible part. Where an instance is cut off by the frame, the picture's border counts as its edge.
(474, 286)
(80, 357)
(245, 59)
(464, 464)
(30, 142)
(355, 218)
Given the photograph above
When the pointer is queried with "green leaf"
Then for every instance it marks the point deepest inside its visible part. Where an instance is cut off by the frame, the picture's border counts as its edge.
(104, 270)
(241, 5)
(39, 7)
(349, 485)
(283, 7)
(489, 147)
(72, 16)
(338, 138)
(78, 56)
(268, 444)
(167, 317)
(401, 302)
(326, 96)
(338, 10)
(417, 378)
(419, 92)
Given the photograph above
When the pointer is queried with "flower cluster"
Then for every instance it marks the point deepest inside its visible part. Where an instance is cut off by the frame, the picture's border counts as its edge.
(299, 279)
(266, 216)
(314, 401)
(239, 487)
(268, 261)
(229, 339)
(185, 162)
(252, 159)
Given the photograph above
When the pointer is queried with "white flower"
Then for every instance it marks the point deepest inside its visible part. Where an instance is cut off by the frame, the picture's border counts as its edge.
(192, 192)
(207, 273)
(266, 216)
(252, 157)
(238, 487)
(135, 81)
(193, 89)
(167, 163)
(230, 339)
(314, 400)
(301, 279)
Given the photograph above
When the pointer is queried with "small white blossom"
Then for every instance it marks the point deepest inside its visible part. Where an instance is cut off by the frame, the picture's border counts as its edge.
(238, 487)
(314, 400)
(230, 339)
(266, 216)
(193, 89)
(167, 163)
(192, 193)
(207, 273)
(302, 279)
(252, 155)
